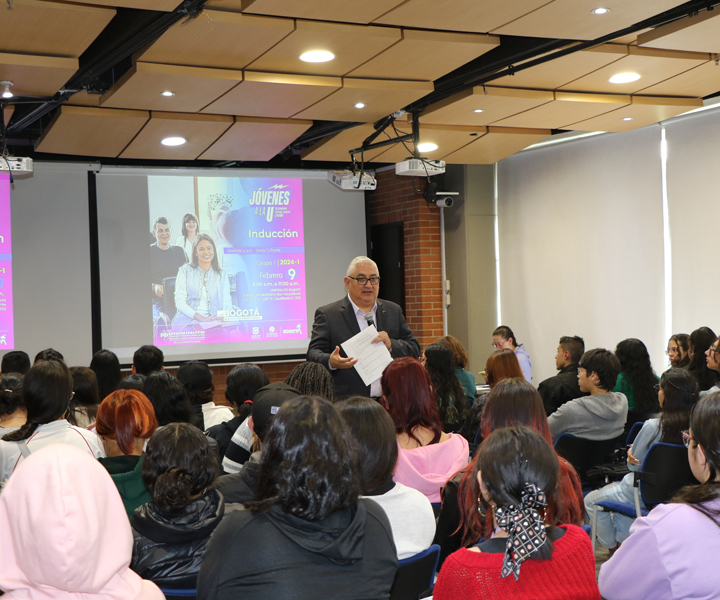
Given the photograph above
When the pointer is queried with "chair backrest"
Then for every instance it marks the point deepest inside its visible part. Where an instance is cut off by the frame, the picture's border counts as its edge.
(584, 454)
(635, 416)
(415, 574)
(171, 594)
(664, 471)
(634, 430)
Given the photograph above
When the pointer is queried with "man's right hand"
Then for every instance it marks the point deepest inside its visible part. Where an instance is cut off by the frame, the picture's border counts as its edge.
(338, 362)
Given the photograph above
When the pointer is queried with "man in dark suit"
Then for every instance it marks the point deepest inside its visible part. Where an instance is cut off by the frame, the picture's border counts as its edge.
(337, 322)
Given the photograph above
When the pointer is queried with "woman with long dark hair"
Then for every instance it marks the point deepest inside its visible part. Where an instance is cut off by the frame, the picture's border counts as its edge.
(677, 394)
(106, 365)
(427, 456)
(676, 542)
(637, 380)
(307, 535)
(712, 357)
(86, 397)
(516, 475)
(447, 389)
(190, 230)
(461, 360)
(700, 340)
(677, 350)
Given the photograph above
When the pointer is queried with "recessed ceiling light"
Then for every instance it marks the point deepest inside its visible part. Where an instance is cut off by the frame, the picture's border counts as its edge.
(628, 118)
(173, 141)
(624, 78)
(600, 11)
(479, 110)
(359, 105)
(427, 147)
(168, 93)
(317, 56)
(7, 93)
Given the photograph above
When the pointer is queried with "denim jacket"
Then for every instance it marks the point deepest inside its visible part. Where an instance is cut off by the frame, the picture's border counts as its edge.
(187, 292)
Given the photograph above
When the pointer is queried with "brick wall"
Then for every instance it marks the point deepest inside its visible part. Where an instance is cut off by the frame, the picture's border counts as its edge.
(395, 200)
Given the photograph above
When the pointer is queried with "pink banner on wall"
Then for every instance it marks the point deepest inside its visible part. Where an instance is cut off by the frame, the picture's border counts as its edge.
(7, 341)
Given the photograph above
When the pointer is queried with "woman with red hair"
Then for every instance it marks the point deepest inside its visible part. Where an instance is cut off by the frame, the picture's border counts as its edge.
(427, 457)
(511, 403)
(125, 421)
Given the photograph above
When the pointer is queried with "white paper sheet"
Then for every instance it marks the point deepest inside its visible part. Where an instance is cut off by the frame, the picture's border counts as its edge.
(372, 358)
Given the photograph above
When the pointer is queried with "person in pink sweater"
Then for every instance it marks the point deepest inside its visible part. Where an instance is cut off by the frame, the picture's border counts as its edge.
(517, 471)
(427, 456)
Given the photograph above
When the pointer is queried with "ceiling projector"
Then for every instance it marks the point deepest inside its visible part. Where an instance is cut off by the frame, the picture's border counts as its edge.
(350, 181)
(414, 167)
(16, 165)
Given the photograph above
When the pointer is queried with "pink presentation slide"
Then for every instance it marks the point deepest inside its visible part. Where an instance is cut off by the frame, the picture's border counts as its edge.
(6, 297)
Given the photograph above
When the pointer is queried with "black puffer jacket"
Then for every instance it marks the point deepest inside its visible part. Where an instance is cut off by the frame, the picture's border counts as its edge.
(168, 548)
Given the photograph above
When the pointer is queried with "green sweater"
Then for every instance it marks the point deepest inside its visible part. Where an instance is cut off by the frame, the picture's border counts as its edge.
(126, 472)
(624, 386)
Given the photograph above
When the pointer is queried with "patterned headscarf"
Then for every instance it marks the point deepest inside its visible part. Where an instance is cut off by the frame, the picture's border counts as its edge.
(524, 526)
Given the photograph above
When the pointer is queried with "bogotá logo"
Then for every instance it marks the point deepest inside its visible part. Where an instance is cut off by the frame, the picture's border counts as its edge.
(297, 329)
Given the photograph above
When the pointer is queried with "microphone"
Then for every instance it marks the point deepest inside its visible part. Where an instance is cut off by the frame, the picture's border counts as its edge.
(369, 318)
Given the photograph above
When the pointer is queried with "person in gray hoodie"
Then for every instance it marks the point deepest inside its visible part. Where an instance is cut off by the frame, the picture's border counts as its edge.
(602, 414)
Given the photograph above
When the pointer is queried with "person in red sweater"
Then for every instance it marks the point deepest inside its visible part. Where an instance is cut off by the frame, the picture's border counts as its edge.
(518, 471)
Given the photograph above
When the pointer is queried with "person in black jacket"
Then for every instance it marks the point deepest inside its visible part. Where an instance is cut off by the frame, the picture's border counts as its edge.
(563, 387)
(171, 532)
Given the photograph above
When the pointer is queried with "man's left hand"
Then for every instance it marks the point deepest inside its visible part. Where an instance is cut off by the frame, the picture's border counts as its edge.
(384, 338)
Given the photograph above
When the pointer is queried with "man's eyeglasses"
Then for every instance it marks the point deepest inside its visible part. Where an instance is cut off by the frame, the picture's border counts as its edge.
(363, 280)
(687, 438)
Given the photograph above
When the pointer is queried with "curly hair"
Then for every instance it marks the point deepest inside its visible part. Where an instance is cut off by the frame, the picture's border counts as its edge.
(449, 393)
(460, 356)
(636, 367)
(311, 379)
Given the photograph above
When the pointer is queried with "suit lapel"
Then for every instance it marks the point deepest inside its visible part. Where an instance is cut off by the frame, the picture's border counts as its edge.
(380, 316)
(350, 318)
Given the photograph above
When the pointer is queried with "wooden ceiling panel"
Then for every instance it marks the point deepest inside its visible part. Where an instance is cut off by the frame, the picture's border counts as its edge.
(36, 75)
(566, 108)
(337, 147)
(556, 73)
(496, 103)
(344, 11)
(161, 5)
(697, 33)
(459, 15)
(51, 28)
(652, 65)
(499, 143)
(644, 110)
(447, 138)
(194, 87)
(200, 131)
(426, 55)
(255, 139)
(573, 19)
(352, 45)
(219, 39)
(274, 95)
(380, 97)
(698, 82)
(87, 131)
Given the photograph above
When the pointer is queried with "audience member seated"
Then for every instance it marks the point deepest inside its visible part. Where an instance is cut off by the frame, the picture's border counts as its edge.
(15, 361)
(197, 378)
(133, 382)
(243, 454)
(447, 390)
(172, 531)
(501, 364)
(63, 534)
(678, 394)
(700, 340)
(12, 410)
(503, 337)
(148, 359)
(602, 414)
(312, 379)
(409, 512)
(168, 397)
(242, 383)
(49, 354)
(677, 350)
(636, 380)
(512, 402)
(307, 535)
(125, 421)
(86, 398)
(427, 456)
(527, 557)
(671, 552)
(563, 387)
(106, 365)
(712, 354)
(47, 391)
(461, 362)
